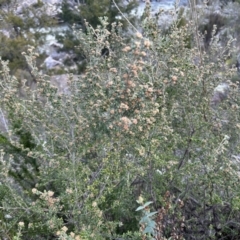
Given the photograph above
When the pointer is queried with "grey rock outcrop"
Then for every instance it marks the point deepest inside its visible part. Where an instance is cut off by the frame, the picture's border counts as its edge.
(3, 122)
(220, 93)
(51, 63)
(25, 4)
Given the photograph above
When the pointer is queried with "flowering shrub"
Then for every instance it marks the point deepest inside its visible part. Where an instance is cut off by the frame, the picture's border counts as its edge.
(137, 122)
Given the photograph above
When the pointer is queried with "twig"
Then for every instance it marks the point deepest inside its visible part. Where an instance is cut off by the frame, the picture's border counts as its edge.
(124, 16)
(196, 24)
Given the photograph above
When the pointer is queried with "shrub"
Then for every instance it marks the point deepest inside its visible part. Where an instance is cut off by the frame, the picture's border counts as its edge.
(137, 122)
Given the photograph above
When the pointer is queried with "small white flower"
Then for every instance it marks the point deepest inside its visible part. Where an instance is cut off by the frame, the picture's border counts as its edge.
(21, 224)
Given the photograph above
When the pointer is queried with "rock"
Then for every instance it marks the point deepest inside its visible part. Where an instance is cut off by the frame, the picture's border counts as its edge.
(60, 56)
(55, 2)
(3, 122)
(220, 93)
(61, 82)
(5, 32)
(51, 63)
(25, 4)
(54, 51)
(51, 7)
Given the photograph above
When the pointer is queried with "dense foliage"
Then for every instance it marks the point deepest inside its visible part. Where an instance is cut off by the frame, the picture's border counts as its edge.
(92, 10)
(138, 124)
(17, 24)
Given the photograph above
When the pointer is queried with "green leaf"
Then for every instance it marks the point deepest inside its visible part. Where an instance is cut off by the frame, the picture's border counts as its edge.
(149, 229)
(144, 206)
(151, 214)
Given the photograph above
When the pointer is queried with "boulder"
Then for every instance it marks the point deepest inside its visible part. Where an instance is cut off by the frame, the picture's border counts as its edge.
(51, 6)
(5, 32)
(60, 56)
(54, 51)
(3, 122)
(25, 4)
(51, 63)
(220, 93)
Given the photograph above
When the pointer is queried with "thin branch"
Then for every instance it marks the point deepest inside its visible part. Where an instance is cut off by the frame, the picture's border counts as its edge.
(196, 24)
(124, 16)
